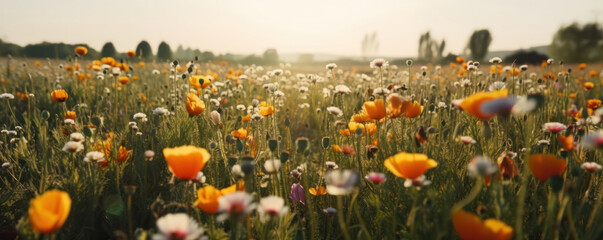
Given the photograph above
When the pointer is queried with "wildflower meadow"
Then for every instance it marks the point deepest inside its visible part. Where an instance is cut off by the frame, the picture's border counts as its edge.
(130, 149)
(108, 145)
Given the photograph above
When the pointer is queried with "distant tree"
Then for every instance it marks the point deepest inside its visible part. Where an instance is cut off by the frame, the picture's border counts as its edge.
(108, 50)
(305, 58)
(206, 56)
(164, 52)
(526, 57)
(479, 43)
(144, 50)
(370, 45)
(55, 50)
(9, 48)
(270, 56)
(449, 58)
(576, 43)
(252, 59)
(429, 49)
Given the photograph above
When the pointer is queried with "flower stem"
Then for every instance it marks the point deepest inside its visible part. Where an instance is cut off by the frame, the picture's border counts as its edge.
(344, 230)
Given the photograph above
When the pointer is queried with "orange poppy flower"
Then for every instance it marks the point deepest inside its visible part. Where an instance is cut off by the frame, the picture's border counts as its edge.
(593, 103)
(22, 96)
(409, 165)
(396, 105)
(122, 154)
(582, 66)
(568, 142)
(460, 60)
(59, 95)
(544, 166)
(108, 60)
(207, 199)
(241, 133)
(589, 85)
(246, 118)
(131, 53)
(375, 109)
(414, 110)
(572, 95)
(124, 80)
(81, 50)
(473, 103)
(592, 73)
(345, 132)
(141, 64)
(49, 211)
(70, 115)
(337, 148)
(266, 111)
(370, 129)
(469, 227)
(361, 117)
(318, 191)
(194, 105)
(233, 188)
(196, 80)
(186, 161)
(353, 126)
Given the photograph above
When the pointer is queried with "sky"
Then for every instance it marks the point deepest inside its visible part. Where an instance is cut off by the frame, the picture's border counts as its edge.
(305, 26)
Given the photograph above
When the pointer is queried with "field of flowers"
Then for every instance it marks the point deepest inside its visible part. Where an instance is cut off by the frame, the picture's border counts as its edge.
(126, 149)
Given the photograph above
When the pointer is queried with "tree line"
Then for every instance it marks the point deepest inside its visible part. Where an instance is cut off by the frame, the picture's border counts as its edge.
(143, 51)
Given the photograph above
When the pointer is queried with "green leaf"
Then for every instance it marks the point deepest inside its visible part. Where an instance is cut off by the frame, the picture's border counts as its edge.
(88, 132)
(113, 204)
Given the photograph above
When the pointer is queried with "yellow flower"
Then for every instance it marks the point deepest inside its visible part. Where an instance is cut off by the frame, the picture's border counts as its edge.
(194, 105)
(469, 227)
(48, 212)
(186, 161)
(409, 165)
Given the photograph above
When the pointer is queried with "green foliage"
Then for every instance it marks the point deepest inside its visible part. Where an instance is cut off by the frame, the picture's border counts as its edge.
(576, 43)
(108, 50)
(478, 44)
(143, 49)
(526, 57)
(164, 52)
(270, 56)
(429, 49)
